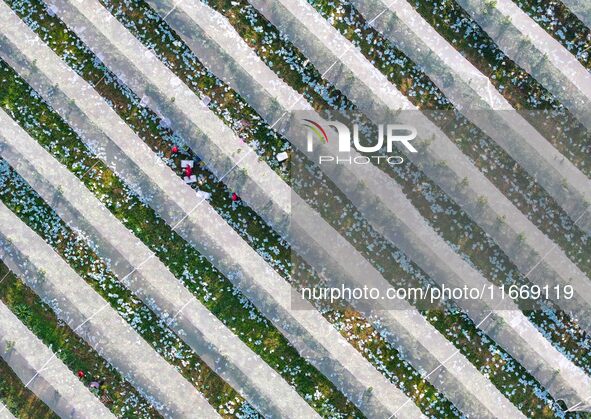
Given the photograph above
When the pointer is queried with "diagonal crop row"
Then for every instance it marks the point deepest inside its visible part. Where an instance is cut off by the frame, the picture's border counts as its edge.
(564, 26)
(362, 37)
(36, 365)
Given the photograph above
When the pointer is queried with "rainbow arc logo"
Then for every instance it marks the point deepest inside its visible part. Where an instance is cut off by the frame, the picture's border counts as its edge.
(317, 129)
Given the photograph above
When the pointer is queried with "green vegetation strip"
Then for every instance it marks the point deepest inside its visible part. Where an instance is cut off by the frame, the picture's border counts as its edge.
(408, 78)
(116, 393)
(556, 19)
(524, 192)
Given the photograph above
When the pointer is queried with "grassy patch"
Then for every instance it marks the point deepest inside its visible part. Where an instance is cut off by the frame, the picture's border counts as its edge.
(20, 401)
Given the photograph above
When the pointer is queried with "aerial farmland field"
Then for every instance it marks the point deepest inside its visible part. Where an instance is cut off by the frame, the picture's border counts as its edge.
(295, 209)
